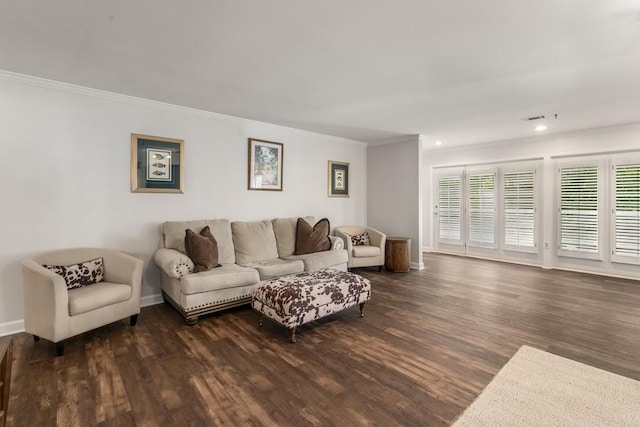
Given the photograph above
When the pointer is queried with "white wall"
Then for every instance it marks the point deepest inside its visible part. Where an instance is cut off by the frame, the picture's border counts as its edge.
(394, 202)
(66, 176)
(548, 148)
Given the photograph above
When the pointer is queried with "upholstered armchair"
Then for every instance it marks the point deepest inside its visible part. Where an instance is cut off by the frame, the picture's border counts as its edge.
(364, 250)
(54, 312)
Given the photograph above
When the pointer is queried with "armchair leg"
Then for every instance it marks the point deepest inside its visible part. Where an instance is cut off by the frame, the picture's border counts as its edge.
(133, 320)
(379, 269)
(36, 338)
(59, 348)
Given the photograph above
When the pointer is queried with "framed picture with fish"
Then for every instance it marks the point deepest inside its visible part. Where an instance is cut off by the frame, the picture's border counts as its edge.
(338, 179)
(265, 165)
(156, 164)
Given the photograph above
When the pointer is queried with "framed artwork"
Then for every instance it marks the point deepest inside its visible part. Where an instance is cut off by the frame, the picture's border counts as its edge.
(265, 165)
(156, 164)
(338, 179)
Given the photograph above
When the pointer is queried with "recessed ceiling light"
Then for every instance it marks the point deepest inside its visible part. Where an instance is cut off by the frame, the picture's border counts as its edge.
(438, 142)
(540, 128)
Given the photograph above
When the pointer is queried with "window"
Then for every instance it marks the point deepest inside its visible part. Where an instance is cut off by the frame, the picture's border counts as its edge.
(579, 209)
(626, 212)
(449, 208)
(488, 209)
(519, 209)
(482, 209)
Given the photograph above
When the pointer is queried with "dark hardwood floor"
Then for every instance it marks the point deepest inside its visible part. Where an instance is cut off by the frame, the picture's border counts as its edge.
(430, 341)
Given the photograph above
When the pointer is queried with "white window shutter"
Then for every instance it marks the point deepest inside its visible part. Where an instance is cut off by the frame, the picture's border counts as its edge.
(519, 209)
(482, 209)
(450, 208)
(626, 225)
(579, 210)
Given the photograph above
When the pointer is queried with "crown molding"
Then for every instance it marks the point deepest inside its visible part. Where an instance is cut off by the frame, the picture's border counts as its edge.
(396, 140)
(103, 94)
(40, 82)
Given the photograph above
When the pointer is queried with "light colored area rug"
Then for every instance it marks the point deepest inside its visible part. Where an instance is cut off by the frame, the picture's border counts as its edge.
(536, 388)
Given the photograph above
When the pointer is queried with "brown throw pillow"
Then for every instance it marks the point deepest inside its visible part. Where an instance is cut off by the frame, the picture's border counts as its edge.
(312, 239)
(202, 249)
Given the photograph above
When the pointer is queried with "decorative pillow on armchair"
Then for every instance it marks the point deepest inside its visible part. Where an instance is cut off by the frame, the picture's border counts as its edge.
(202, 249)
(312, 239)
(81, 274)
(360, 239)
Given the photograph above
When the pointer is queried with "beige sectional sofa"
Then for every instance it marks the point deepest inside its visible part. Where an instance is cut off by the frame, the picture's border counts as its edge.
(248, 253)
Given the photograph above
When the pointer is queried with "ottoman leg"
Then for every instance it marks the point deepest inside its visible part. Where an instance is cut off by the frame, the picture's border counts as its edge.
(362, 309)
(292, 335)
(261, 319)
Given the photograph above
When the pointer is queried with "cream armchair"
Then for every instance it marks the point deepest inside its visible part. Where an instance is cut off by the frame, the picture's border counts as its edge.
(55, 313)
(363, 255)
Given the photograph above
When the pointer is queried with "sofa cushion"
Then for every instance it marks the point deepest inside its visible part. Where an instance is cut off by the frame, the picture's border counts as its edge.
(365, 251)
(312, 239)
(325, 259)
(223, 277)
(202, 249)
(81, 274)
(173, 236)
(89, 298)
(285, 231)
(276, 267)
(254, 241)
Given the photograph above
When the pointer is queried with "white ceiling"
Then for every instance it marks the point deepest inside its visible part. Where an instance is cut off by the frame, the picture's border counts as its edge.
(462, 72)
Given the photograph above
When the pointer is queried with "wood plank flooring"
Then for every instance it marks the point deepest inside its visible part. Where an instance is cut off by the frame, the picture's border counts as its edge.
(430, 341)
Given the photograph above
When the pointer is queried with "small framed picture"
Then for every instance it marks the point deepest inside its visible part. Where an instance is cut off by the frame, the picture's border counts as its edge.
(265, 165)
(338, 179)
(156, 164)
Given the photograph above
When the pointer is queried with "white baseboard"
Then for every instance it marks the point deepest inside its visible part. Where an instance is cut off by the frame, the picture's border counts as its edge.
(10, 328)
(417, 265)
(17, 326)
(426, 249)
(151, 300)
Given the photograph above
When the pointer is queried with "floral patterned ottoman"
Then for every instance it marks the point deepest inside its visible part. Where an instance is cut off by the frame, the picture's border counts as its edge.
(304, 297)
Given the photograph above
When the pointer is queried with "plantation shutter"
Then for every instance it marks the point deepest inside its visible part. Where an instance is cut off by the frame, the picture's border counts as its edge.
(482, 209)
(519, 209)
(579, 209)
(449, 207)
(627, 212)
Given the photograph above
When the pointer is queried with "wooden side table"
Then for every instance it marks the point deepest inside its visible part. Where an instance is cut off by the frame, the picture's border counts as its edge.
(397, 254)
(6, 359)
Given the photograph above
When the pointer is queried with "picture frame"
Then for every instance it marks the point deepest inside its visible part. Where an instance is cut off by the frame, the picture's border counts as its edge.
(265, 165)
(157, 164)
(338, 179)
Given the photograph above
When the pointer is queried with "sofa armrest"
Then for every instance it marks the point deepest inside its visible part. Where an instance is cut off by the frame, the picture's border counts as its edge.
(376, 238)
(173, 263)
(346, 240)
(46, 301)
(122, 268)
(336, 243)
